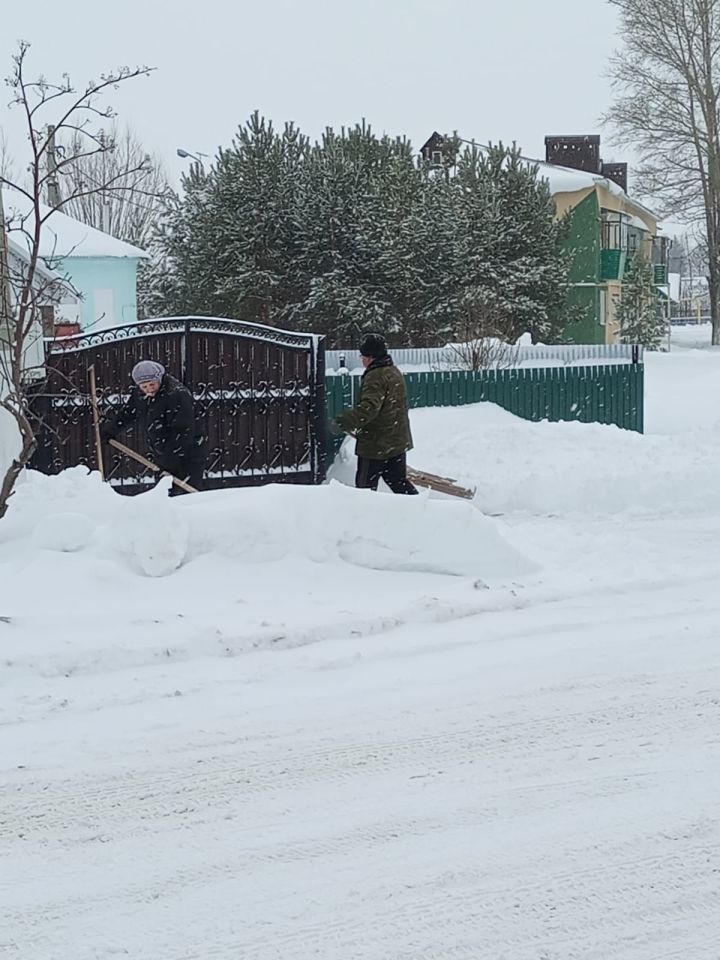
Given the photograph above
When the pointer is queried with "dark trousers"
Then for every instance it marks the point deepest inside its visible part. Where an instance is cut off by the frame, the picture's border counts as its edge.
(393, 471)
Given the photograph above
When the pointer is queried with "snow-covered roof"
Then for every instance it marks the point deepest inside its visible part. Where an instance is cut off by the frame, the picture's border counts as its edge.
(62, 236)
(567, 180)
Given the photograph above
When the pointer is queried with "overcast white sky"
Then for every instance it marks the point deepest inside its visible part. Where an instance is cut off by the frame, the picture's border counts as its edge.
(492, 69)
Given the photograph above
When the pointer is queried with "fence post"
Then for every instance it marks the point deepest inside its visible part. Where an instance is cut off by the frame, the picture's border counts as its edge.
(318, 416)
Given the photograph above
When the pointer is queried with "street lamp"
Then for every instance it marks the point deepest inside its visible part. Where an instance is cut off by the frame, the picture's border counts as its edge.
(185, 154)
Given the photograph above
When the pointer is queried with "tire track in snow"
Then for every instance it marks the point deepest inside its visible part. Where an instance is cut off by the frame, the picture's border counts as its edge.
(220, 643)
(225, 779)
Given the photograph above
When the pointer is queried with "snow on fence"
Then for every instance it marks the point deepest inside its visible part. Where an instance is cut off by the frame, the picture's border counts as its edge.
(610, 394)
(450, 357)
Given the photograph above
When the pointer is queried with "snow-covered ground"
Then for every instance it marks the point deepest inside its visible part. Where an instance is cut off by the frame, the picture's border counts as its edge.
(284, 724)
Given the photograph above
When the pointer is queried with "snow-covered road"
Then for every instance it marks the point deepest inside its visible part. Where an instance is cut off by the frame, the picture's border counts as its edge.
(334, 734)
(537, 786)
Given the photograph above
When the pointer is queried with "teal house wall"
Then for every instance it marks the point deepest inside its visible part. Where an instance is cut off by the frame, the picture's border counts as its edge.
(108, 289)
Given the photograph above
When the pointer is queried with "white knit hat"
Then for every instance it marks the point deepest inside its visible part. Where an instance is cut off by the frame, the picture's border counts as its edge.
(148, 371)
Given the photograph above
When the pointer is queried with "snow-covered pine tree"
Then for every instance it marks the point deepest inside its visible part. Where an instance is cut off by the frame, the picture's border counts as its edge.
(176, 279)
(417, 248)
(516, 277)
(339, 217)
(227, 246)
(638, 313)
(255, 183)
(352, 234)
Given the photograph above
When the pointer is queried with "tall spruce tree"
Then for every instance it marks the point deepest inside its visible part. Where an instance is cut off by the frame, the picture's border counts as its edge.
(638, 313)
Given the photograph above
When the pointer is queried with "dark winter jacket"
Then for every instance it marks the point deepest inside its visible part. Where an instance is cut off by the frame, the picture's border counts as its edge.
(168, 421)
(380, 417)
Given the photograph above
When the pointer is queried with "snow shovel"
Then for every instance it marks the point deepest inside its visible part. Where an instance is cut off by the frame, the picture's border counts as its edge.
(439, 484)
(152, 466)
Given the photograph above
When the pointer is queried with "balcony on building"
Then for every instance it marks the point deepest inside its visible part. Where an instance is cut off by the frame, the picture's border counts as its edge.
(614, 242)
(660, 253)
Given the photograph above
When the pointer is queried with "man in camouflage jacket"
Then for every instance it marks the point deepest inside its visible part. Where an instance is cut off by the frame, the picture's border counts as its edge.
(379, 421)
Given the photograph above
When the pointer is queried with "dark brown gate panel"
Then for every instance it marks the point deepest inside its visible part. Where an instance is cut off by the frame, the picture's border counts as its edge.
(259, 398)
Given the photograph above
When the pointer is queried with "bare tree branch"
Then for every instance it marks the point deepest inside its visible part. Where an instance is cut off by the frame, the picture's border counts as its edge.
(49, 110)
(667, 80)
(119, 189)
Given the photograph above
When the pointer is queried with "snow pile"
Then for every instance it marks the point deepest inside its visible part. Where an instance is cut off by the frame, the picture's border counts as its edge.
(154, 535)
(64, 532)
(330, 523)
(10, 440)
(40, 503)
(560, 468)
(135, 581)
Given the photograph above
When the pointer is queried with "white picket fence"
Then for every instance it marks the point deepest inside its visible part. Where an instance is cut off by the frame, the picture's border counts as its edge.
(449, 358)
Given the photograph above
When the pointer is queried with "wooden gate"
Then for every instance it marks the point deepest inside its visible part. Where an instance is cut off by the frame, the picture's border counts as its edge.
(259, 398)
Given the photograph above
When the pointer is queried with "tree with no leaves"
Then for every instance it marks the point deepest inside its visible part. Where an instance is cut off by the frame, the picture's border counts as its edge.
(667, 79)
(51, 112)
(128, 209)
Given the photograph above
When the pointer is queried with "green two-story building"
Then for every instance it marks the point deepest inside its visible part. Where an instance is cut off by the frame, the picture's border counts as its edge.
(607, 228)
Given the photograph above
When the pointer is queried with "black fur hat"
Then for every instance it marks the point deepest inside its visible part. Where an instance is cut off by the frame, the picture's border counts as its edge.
(374, 346)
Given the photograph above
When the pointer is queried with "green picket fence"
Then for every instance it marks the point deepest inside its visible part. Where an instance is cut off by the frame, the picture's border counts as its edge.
(611, 394)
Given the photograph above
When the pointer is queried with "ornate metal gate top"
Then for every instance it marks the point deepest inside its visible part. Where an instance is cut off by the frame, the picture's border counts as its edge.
(152, 327)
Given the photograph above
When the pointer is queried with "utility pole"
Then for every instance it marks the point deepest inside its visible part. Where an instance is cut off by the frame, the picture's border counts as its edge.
(52, 181)
(104, 219)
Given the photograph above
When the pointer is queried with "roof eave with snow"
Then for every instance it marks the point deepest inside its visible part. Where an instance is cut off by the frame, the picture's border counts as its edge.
(568, 180)
(63, 237)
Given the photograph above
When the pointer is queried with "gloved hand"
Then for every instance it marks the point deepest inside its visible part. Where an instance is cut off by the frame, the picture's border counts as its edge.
(106, 433)
(335, 429)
